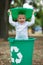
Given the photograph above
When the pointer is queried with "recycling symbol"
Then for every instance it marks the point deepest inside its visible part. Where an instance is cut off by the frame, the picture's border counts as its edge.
(19, 55)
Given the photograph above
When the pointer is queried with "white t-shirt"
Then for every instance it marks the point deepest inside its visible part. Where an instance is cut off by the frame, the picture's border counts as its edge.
(21, 29)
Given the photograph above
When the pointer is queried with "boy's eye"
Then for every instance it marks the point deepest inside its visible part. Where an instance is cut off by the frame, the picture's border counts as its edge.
(21, 18)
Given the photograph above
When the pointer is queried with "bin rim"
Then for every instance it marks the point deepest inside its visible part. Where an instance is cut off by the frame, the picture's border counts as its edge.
(11, 39)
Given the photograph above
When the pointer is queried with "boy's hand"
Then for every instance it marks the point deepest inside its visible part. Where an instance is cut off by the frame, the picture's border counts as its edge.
(9, 11)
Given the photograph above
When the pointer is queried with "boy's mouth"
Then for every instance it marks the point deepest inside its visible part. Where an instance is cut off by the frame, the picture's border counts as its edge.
(22, 22)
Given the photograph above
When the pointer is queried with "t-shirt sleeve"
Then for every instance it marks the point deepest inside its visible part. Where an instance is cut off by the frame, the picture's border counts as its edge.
(32, 21)
(13, 23)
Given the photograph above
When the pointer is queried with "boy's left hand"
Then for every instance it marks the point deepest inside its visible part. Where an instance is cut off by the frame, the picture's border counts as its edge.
(9, 11)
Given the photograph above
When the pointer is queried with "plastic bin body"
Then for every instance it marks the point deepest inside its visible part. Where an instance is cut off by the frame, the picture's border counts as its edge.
(23, 51)
(27, 12)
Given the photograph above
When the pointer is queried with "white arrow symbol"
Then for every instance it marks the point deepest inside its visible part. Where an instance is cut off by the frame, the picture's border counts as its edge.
(19, 59)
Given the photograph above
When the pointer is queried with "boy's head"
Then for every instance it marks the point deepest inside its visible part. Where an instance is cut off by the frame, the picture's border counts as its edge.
(21, 17)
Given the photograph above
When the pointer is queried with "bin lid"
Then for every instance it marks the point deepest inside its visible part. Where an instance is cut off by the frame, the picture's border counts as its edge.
(26, 11)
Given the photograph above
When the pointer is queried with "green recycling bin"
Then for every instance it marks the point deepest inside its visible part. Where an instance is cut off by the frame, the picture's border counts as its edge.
(21, 51)
(16, 11)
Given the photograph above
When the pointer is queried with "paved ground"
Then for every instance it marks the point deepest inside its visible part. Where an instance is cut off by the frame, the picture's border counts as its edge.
(37, 54)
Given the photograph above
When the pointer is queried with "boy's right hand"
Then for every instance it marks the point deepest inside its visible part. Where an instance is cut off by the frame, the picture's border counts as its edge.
(9, 11)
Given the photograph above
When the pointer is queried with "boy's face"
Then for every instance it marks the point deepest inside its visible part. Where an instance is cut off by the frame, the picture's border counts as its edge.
(21, 18)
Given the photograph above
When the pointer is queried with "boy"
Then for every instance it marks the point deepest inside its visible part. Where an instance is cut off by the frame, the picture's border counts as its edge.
(21, 26)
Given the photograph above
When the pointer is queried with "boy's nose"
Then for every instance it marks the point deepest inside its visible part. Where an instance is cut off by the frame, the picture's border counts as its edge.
(22, 19)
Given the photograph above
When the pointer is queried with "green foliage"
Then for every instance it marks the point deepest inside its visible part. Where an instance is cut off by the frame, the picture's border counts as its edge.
(37, 21)
(39, 17)
(17, 3)
(34, 5)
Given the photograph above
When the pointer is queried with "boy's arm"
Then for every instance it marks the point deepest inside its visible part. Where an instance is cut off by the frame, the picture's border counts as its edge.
(10, 19)
(32, 21)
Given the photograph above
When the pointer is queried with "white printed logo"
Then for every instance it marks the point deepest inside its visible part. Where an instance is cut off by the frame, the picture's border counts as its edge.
(16, 50)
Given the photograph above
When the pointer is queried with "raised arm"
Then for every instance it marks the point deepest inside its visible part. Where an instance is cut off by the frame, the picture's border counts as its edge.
(11, 20)
(32, 21)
